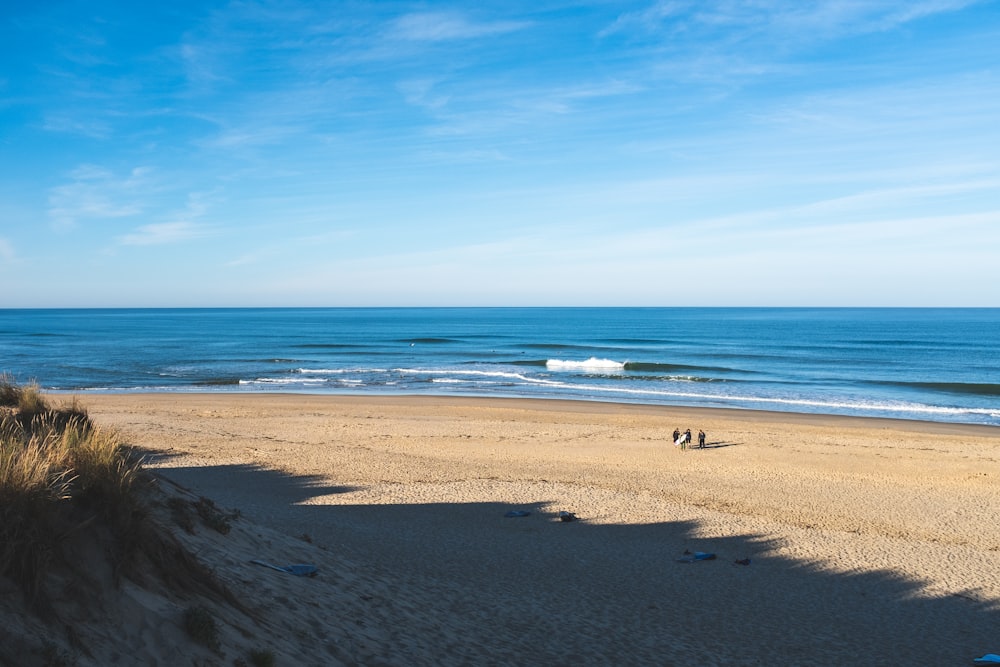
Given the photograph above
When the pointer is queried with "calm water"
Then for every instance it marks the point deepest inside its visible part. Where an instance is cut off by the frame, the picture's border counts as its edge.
(931, 364)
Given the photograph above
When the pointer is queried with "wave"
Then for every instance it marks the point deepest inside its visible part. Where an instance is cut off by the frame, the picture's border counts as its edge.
(668, 368)
(563, 346)
(330, 346)
(670, 371)
(336, 371)
(657, 378)
(762, 402)
(906, 342)
(429, 341)
(523, 362)
(973, 388)
(283, 381)
(688, 390)
(673, 371)
(217, 382)
(476, 374)
(592, 391)
(587, 365)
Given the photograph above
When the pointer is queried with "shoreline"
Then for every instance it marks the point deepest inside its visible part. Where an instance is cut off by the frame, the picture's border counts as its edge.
(596, 405)
(867, 539)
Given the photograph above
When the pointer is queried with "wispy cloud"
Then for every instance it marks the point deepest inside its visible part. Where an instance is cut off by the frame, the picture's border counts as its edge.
(447, 26)
(183, 227)
(800, 22)
(196, 62)
(95, 193)
(320, 81)
(496, 109)
(646, 20)
(64, 122)
(422, 93)
(730, 42)
(163, 233)
(881, 202)
(904, 12)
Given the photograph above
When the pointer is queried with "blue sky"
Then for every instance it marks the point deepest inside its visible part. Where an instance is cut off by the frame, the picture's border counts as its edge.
(738, 152)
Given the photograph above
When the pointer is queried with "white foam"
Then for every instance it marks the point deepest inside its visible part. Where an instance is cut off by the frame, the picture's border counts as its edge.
(458, 373)
(592, 364)
(337, 371)
(284, 381)
(891, 407)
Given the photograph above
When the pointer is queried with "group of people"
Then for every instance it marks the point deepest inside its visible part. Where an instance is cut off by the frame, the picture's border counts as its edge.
(683, 439)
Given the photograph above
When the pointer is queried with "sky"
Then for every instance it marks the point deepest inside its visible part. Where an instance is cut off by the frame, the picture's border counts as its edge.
(515, 153)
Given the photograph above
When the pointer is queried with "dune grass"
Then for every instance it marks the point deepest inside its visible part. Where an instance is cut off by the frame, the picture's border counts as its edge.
(69, 488)
(58, 472)
(76, 506)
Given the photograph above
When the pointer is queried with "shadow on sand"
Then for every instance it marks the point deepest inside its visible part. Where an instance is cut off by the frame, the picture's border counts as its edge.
(537, 591)
(718, 444)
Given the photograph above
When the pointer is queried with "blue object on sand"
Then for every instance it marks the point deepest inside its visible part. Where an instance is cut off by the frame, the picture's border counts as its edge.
(516, 513)
(299, 570)
(988, 659)
(696, 556)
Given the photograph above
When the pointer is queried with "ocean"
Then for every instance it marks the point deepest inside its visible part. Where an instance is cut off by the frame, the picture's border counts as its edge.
(929, 364)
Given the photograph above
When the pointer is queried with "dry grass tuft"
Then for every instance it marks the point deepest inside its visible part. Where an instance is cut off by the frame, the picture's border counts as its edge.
(27, 399)
(58, 474)
(10, 391)
(33, 482)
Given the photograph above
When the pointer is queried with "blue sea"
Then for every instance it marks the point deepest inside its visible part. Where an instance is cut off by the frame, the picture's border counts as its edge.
(930, 364)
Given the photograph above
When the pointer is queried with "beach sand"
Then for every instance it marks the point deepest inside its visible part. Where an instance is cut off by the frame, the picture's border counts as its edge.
(869, 542)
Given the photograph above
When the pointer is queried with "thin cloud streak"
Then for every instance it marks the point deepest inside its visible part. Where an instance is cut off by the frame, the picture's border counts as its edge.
(163, 233)
(94, 193)
(796, 21)
(447, 26)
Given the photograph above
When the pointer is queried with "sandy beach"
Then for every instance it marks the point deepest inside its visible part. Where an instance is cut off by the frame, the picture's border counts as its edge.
(836, 540)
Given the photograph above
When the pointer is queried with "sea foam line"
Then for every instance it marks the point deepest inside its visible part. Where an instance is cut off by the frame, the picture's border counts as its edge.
(283, 381)
(487, 374)
(917, 408)
(338, 371)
